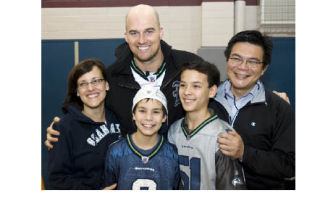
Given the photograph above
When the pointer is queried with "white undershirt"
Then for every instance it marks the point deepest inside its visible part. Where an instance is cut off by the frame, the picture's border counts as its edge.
(142, 82)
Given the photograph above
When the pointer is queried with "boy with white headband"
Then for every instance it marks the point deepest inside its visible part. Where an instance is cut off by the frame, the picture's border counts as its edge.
(144, 159)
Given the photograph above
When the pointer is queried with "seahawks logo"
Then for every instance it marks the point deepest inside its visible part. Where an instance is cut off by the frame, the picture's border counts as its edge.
(175, 92)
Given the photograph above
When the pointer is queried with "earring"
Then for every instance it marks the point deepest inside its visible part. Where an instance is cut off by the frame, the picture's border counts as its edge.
(78, 94)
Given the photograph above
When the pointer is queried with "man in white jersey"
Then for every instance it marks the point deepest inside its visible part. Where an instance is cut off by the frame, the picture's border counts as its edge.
(202, 165)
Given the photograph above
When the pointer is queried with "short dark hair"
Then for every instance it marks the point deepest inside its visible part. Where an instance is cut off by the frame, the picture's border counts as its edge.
(77, 71)
(253, 37)
(204, 67)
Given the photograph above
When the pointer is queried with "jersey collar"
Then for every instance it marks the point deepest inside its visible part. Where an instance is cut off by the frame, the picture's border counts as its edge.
(144, 158)
(188, 134)
(145, 75)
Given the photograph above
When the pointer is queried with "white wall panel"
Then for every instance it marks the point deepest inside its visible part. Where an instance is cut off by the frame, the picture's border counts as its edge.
(83, 23)
(185, 27)
(182, 25)
(252, 18)
(217, 23)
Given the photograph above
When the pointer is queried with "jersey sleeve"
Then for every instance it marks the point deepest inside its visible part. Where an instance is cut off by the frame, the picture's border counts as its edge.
(229, 173)
(171, 132)
(110, 169)
(177, 179)
(177, 170)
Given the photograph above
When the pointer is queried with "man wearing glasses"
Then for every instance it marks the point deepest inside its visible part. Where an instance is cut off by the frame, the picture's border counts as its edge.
(264, 140)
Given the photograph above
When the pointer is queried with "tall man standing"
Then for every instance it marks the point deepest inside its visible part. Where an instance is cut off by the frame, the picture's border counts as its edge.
(264, 139)
(144, 59)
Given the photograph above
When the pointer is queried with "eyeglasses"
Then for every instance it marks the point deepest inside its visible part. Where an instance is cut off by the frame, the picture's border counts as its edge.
(251, 63)
(94, 83)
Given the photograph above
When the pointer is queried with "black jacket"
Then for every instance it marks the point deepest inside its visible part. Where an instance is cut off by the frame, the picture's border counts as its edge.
(77, 160)
(123, 86)
(267, 127)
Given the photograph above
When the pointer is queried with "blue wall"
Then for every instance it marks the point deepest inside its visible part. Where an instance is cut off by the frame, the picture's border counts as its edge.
(280, 75)
(58, 60)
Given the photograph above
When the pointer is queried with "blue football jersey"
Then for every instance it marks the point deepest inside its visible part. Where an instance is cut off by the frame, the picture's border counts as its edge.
(134, 168)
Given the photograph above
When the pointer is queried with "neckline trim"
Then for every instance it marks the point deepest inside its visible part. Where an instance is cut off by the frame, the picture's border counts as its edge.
(144, 158)
(144, 75)
(196, 130)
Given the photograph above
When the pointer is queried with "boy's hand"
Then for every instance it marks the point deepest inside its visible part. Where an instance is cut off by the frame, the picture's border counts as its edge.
(231, 144)
(50, 132)
(112, 187)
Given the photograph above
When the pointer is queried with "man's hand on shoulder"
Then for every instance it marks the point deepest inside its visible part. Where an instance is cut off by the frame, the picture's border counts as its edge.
(283, 95)
(50, 133)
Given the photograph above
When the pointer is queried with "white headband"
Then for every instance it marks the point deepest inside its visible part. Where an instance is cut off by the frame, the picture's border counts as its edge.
(149, 91)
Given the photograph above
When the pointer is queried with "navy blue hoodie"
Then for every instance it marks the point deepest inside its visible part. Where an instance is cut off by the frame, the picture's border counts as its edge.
(77, 160)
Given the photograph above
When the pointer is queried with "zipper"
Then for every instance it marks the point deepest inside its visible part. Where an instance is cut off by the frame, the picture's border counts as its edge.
(231, 122)
(129, 86)
(164, 84)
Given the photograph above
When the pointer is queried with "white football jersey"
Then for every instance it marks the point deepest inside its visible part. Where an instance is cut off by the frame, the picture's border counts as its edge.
(202, 165)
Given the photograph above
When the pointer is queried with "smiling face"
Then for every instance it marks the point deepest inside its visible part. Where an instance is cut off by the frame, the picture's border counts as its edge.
(93, 94)
(148, 117)
(194, 91)
(143, 34)
(242, 77)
